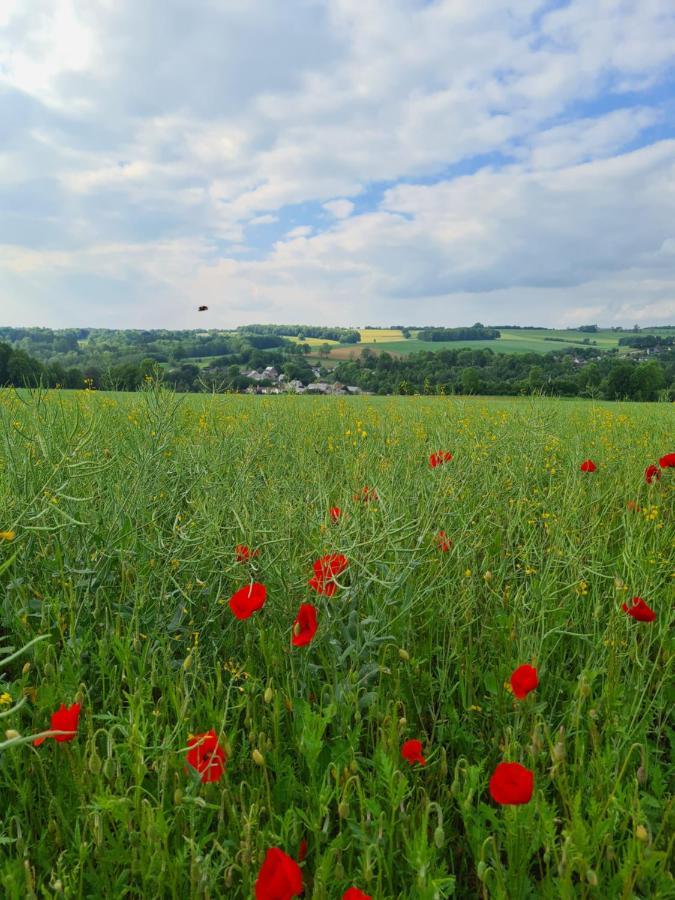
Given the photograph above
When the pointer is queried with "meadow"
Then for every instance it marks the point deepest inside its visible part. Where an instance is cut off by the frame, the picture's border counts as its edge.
(128, 523)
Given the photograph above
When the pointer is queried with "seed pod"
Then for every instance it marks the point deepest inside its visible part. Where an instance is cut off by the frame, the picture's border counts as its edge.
(258, 758)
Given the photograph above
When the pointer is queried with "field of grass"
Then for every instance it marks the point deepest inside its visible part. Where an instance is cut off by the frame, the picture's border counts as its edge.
(119, 518)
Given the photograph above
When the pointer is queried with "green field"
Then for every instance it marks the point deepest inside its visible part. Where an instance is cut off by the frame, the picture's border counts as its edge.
(512, 340)
(119, 519)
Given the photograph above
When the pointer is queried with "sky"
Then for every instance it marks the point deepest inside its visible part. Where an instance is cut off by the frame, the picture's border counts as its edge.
(338, 162)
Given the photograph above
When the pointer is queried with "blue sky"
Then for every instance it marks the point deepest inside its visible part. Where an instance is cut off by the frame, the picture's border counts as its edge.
(337, 162)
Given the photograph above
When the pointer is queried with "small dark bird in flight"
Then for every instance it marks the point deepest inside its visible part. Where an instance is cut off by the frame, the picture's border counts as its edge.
(202, 308)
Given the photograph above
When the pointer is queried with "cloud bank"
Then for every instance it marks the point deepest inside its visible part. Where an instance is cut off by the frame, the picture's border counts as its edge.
(336, 161)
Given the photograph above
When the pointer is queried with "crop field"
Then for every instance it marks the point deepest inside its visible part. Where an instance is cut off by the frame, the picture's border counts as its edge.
(512, 340)
(252, 646)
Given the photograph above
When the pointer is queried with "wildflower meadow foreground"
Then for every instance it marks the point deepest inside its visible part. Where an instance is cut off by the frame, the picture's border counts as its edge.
(334, 648)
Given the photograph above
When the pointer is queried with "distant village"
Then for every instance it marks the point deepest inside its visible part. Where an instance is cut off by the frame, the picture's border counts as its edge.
(269, 381)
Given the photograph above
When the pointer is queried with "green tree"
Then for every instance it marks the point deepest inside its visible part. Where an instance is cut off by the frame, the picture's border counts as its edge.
(470, 380)
(648, 379)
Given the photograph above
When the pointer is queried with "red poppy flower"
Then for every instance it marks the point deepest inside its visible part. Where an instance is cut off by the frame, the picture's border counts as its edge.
(323, 587)
(652, 472)
(354, 893)
(667, 461)
(248, 599)
(304, 627)
(632, 506)
(280, 877)
(335, 513)
(302, 850)
(206, 756)
(443, 542)
(639, 610)
(437, 459)
(326, 571)
(588, 466)
(524, 680)
(366, 495)
(511, 784)
(64, 719)
(412, 751)
(244, 553)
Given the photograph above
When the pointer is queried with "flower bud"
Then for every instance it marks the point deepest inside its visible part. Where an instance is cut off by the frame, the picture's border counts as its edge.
(592, 878)
(641, 834)
(94, 763)
(439, 837)
(403, 654)
(26, 668)
(11, 735)
(268, 695)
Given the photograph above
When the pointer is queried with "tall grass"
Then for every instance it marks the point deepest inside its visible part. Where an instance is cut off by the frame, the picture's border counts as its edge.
(126, 511)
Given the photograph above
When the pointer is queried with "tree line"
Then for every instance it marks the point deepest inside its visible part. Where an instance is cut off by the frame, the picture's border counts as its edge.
(223, 362)
(477, 332)
(567, 373)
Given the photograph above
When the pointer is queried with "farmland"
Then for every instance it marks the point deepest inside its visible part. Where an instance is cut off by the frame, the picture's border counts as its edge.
(512, 340)
(120, 519)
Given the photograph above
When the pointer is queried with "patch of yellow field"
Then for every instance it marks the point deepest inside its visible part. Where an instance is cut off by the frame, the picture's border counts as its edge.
(381, 335)
(313, 342)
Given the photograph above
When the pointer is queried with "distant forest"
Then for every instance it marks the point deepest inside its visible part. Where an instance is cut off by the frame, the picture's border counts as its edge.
(215, 361)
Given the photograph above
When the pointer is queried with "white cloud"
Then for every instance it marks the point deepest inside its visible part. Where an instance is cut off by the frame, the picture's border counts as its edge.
(141, 140)
(341, 209)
